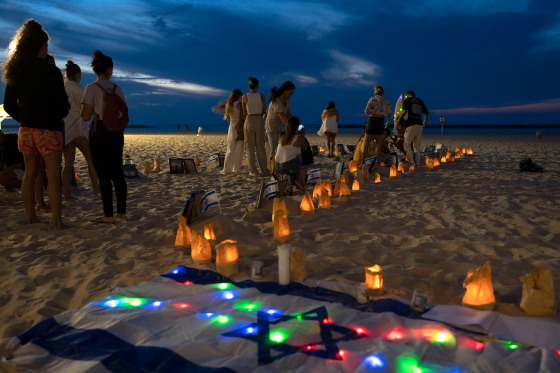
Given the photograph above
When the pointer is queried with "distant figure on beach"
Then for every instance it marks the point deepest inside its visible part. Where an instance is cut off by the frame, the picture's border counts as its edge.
(186, 127)
(288, 156)
(75, 131)
(35, 97)
(278, 113)
(329, 127)
(11, 162)
(254, 108)
(106, 146)
(178, 127)
(378, 107)
(414, 107)
(235, 136)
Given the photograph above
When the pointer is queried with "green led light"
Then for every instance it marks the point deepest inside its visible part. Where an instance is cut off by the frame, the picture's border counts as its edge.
(135, 302)
(222, 319)
(299, 317)
(400, 109)
(512, 345)
(249, 307)
(223, 286)
(278, 337)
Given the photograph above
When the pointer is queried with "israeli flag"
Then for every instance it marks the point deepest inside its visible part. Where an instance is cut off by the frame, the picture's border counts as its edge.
(369, 161)
(313, 176)
(270, 189)
(213, 158)
(209, 201)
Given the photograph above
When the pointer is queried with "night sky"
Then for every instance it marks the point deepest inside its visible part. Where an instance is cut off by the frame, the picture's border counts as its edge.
(472, 61)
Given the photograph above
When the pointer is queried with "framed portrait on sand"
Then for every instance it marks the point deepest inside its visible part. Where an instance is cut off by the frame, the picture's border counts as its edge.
(190, 166)
(338, 167)
(176, 165)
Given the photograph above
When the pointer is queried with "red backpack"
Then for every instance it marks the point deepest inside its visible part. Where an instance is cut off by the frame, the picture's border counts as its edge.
(115, 117)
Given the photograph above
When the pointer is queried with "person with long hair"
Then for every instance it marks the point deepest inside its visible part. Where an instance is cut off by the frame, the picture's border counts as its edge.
(378, 107)
(35, 97)
(106, 146)
(234, 115)
(288, 155)
(254, 108)
(75, 130)
(278, 113)
(329, 128)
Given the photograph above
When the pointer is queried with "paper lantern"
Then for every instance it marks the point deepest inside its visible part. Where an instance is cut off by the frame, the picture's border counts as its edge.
(538, 296)
(226, 258)
(377, 178)
(464, 151)
(448, 155)
(374, 280)
(401, 167)
(209, 233)
(156, 165)
(426, 160)
(328, 187)
(183, 237)
(436, 162)
(343, 178)
(281, 226)
(317, 190)
(322, 149)
(365, 172)
(201, 251)
(458, 154)
(393, 171)
(457, 150)
(278, 205)
(336, 191)
(470, 151)
(344, 192)
(480, 292)
(356, 185)
(306, 206)
(147, 169)
(353, 165)
(325, 200)
(443, 160)
(411, 169)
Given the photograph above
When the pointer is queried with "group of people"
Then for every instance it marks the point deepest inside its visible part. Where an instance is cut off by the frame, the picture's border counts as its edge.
(53, 116)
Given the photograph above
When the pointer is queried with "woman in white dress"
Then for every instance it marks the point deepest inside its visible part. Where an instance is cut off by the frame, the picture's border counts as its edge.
(234, 115)
(329, 128)
(75, 130)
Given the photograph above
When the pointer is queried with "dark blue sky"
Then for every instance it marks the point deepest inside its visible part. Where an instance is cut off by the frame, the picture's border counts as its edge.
(472, 61)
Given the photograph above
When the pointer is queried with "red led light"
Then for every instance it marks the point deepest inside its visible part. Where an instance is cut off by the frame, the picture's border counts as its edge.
(327, 321)
(188, 283)
(478, 345)
(340, 354)
(181, 305)
(395, 335)
(360, 331)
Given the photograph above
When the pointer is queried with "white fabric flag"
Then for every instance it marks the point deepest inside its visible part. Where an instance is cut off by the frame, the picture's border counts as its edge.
(209, 201)
(313, 175)
(369, 161)
(213, 158)
(270, 189)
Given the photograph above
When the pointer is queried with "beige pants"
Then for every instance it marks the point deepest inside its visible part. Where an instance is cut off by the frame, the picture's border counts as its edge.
(413, 134)
(254, 141)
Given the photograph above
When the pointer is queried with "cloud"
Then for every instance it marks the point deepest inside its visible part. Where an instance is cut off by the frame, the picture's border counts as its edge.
(538, 107)
(351, 70)
(305, 79)
(549, 39)
(438, 8)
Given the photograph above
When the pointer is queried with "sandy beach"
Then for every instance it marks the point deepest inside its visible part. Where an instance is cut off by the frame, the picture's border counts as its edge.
(425, 229)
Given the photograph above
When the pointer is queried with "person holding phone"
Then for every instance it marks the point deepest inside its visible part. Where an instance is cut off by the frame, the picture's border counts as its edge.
(288, 155)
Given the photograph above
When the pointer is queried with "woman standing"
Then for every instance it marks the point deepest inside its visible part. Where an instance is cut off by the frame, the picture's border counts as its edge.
(329, 128)
(254, 108)
(106, 146)
(35, 97)
(288, 155)
(234, 115)
(377, 107)
(75, 130)
(278, 113)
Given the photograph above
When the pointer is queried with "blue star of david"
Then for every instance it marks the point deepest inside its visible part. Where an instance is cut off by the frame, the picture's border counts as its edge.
(259, 333)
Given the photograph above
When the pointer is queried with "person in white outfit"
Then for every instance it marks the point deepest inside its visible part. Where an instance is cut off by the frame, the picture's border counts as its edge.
(288, 154)
(329, 128)
(278, 113)
(76, 130)
(254, 110)
(234, 115)
(378, 107)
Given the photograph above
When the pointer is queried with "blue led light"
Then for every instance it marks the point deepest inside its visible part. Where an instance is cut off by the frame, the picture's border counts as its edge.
(208, 315)
(111, 303)
(374, 362)
(228, 295)
(251, 330)
(273, 312)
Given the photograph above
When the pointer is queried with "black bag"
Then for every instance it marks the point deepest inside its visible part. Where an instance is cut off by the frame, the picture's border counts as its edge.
(306, 155)
(528, 166)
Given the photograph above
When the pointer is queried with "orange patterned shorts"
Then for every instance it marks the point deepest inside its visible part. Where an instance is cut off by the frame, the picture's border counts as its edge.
(37, 141)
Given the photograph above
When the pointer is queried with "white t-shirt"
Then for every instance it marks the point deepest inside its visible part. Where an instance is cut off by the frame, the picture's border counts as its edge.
(93, 95)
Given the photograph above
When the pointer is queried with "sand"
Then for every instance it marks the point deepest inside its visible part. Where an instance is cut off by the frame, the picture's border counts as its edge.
(426, 229)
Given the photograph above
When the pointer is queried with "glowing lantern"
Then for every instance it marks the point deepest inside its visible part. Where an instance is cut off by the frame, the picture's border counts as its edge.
(358, 176)
(356, 185)
(317, 190)
(448, 155)
(322, 149)
(201, 251)
(281, 226)
(443, 159)
(458, 154)
(336, 192)
(430, 163)
(480, 292)
(365, 172)
(470, 151)
(325, 200)
(393, 171)
(196, 161)
(377, 178)
(457, 150)
(401, 167)
(278, 205)
(226, 258)
(344, 192)
(374, 280)
(209, 233)
(306, 207)
(427, 159)
(411, 169)
(464, 151)
(343, 179)
(327, 186)
(183, 237)
(156, 165)
(353, 165)
(436, 162)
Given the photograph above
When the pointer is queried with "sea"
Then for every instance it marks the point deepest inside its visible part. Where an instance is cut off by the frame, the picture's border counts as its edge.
(546, 129)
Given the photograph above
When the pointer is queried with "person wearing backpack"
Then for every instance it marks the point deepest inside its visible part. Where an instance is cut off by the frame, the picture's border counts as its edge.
(104, 102)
